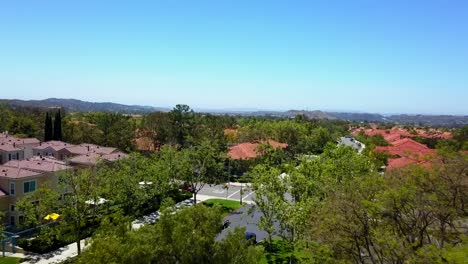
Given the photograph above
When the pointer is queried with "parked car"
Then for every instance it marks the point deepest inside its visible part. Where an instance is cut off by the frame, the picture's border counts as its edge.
(251, 237)
(186, 187)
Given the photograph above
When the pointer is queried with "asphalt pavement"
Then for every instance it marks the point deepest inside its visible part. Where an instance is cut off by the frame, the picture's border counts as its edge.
(248, 217)
(231, 193)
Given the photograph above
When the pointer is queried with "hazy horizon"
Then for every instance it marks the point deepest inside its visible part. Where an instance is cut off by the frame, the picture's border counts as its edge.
(359, 56)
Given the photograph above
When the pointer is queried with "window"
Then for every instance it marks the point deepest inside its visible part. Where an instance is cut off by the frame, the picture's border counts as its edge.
(9, 156)
(17, 156)
(29, 186)
(12, 220)
(12, 188)
(12, 207)
(21, 219)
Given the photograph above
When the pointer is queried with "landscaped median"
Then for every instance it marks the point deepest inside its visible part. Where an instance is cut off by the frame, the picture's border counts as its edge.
(227, 206)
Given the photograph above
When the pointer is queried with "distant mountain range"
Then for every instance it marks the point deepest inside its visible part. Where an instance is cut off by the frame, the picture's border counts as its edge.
(74, 105)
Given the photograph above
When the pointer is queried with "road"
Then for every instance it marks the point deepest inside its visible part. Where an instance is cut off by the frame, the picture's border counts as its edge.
(231, 193)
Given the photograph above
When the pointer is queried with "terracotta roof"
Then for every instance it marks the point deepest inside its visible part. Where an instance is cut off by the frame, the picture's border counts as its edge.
(16, 173)
(115, 156)
(94, 158)
(84, 149)
(8, 147)
(38, 164)
(396, 133)
(10, 143)
(405, 147)
(407, 151)
(249, 150)
(55, 145)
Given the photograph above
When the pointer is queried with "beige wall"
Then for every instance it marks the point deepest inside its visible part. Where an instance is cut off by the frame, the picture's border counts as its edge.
(49, 179)
(45, 152)
(59, 155)
(5, 155)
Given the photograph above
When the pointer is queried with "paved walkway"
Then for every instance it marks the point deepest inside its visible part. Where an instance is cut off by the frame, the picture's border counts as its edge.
(56, 256)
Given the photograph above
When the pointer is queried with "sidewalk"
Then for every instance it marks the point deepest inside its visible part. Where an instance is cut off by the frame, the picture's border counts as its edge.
(202, 198)
(238, 184)
(56, 256)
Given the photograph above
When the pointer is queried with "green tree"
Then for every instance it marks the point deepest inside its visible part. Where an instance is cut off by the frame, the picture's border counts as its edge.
(48, 131)
(187, 236)
(269, 196)
(37, 205)
(57, 135)
(182, 118)
(82, 190)
(200, 165)
(159, 127)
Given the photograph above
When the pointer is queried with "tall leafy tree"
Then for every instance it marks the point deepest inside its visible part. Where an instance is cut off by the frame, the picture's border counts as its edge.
(201, 165)
(57, 135)
(48, 130)
(182, 119)
(81, 188)
(184, 237)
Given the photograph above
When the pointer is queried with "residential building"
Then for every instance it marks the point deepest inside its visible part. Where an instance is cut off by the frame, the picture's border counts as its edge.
(84, 149)
(406, 151)
(91, 159)
(13, 148)
(56, 149)
(20, 177)
(10, 152)
(250, 150)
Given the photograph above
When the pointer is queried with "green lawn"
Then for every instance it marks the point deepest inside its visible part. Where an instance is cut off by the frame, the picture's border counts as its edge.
(9, 260)
(227, 206)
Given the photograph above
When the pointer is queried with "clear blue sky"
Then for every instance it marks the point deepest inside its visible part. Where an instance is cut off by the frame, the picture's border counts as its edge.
(375, 56)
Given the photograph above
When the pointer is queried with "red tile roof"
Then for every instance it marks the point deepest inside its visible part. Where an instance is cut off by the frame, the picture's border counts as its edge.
(10, 143)
(16, 173)
(249, 150)
(407, 151)
(94, 158)
(406, 147)
(8, 147)
(397, 133)
(38, 164)
(55, 145)
(84, 149)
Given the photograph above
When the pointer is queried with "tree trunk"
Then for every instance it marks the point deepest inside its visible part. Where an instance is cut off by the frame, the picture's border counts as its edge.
(78, 238)
(78, 245)
(195, 197)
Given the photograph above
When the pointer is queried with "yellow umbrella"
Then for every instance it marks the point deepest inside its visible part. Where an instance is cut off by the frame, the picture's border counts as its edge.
(52, 216)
